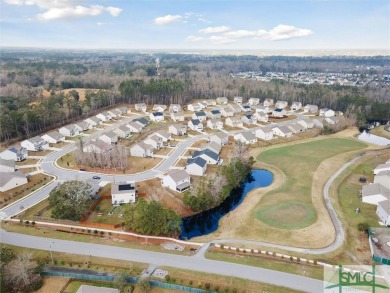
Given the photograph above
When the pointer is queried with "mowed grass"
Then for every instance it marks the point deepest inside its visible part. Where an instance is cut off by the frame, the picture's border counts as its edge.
(290, 205)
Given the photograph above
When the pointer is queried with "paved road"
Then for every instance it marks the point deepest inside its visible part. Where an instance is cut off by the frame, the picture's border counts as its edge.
(163, 259)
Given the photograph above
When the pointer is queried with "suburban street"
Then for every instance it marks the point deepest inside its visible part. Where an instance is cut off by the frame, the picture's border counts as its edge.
(164, 259)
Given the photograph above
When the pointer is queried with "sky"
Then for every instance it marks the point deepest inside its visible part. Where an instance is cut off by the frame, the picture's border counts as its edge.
(196, 24)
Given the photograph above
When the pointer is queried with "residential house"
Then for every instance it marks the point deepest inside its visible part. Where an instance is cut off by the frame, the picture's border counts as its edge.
(249, 119)
(177, 180)
(278, 113)
(312, 109)
(383, 211)
(83, 126)
(175, 108)
(264, 133)
(156, 116)
(177, 117)
(296, 128)
(123, 131)
(154, 141)
(332, 120)
(114, 113)
(215, 147)
(383, 178)
(201, 115)
(247, 137)
(208, 155)
(134, 127)
(178, 129)
(263, 109)
(215, 124)
(246, 108)
(142, 121)
(123, 192)
(165, 135)
(238, 100)
(104, 116)
(253, 101)
(195, 125)
(375, 193)
(140, 107)
(196, 166)
(210, 102)
(35, 144)
(227, 112)
(222, 100)
(93, 121)
(233, 122)
(318, 123)
(236, 108)
(141, 149)
(326, 112)
(109, 137)
(282, 131)
(268, 102)
(193, 107)
(295, 106)
(97, 147)
(53, 137)
(306, 123)
(159, 108)
(7, 166)
(202, 105)
(220, 138)
(124, 110)
(214, 114)
(11, 180)
(16, 153)
(382, 167)
(281, 104)
(260, 116)
(69, 130)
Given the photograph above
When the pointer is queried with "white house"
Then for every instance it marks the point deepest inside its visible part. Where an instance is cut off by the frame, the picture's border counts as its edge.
(282, 131)
(142, 121)
(7, 166)
(53, 137)
(69, 130)
(278, 113)
(326, 112)
(177, 117)
(177, 180)
(246, 108)
(383, 178)
(123, 131)
(195, 125)
(264, 133)
(233, 122)
(382, 167)
(11, 180)
(141, 149)
(212, 145)
(310, 109)
(175, 108)
(134, 127)
(236, 108)
(109, 137)
(156, 116)
(199, 115)
(196, 166)
(215, 124)
(260, 116)
(210, 102)
(16, 153)
(159, 108)
(97, 147)
(114, 113)
(249, 119)
(208, 155)
(104, 116)
(214, 114)
(165, 135)
(35, 144)
(220, 138)
(178, 129)
(246, 137)
(93, 121)
(238, 100)
(332, 120)
(124, 110)
(83, 126)
(140, 107)
(154, 141)
(307, 123)
(295, 106)
(202, 105)
(193, 107)
(123, 192)
(222, 100)
(268, 102)
(253, 101)
(375, 193)
(263, 109)
(281, 104)
(227, 112)
(383, 211)
(318, 123)
(296, 128)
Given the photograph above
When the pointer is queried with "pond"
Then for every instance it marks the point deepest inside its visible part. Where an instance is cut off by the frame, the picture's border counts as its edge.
(374, 139)
(207, 222)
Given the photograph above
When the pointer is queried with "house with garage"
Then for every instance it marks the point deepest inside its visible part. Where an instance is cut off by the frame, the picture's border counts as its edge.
(264, 133)
(222, 100)
(97, 147)
(236, 108)
(201, 115)
(325, 112)
(246, 137)
(208, 155)
(253, 101)
(220, 138)
(109, 137)
(156, 116)
(238, 100)
(278, 113)
(177, 129)
(16, 153)
(196, 166)
(263, 109)
(210, 102)
(215, 124)
(154, 141)
(249, 119)
(214, 114)
(142, 121)
(281, 104)
(296, 128)
(374, 193)
(165, 135)
(227, 112)
(383, 178)
(140, 107)
(295, 106)
(104, 116)
(382, 167)
(53, 137)
(159, 108)
(7, 166)
(124, 110)
(174, 108)
(142, 150)
(282, 131)
(202, 105)
(312, 109)
(123, 131)
(114, 113)
(306, 123)
(332, 120)
(134, 127)
(69, 130)
(177, 180)
(177, 117)
(246, 108)
(11, 180)
(318, 123)
(233, 122)
(83, 126)
(35, 144)
(193, 107)
(215, 147)
(260, 116)
(383, 211)
(123, 192)
(268, 102)
(93, 121)
(195, 125)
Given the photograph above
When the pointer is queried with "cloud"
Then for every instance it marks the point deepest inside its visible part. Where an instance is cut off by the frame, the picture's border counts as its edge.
(194, 39)
(221, 40)
(214, 30)
(46, 4)
(166, 19)
(283, 32)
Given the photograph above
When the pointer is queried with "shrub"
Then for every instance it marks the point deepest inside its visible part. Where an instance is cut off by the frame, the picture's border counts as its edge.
(222, 246)
(207, 286)
(199, 284)
(234, 290)
(33, 223)
(190, 282)
(274, 254)
(315, 262)
(291, 258)
(216, 288)
(96, 231)
(363, 227)
(237, 249)
(173, 280)
(298, 259)
(27, 222)
(167, 278)
(252, 250)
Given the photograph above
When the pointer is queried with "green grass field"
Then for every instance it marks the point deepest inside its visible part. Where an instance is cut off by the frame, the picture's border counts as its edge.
(290, 206)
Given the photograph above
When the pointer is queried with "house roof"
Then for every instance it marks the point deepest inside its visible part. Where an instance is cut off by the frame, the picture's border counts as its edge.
(215, 111)
(70, 127)
(248, 116)
(178, 175)
(135, 125)
(248, 135)
(144, 146)
(200, 113)
(212, 146)
(214, 121)
(385, 204)
(178, 126)
(206, 152)
(94, 119)
(197, 161)
(284, 129)
(142, 120)
(123, 128)
(297, 127)
(55, 135)
(265, 129)
(155, 138)
(122, 187)
(375, 188)
(157, 114)
(6, 177)
(296, 103)
(101, 145)
(221, 135)
(195, 121)
(163, 133)
(36, 140)
(16, 149)
(7, 163)
(110, 134)
(82, 124)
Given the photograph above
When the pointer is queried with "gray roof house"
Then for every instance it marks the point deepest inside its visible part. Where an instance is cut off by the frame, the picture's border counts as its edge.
(83, 126)
(208, 155)
(7, 166)
(220, 138)
(109, 137)
(177, 180)
(16, 153)
(10, 180)
(196, 166)
(97, 146)
(215, 147)
(69, 130)
(53, 137)
(35, 144)
(134, 126)
(123, 131)
(141, 149)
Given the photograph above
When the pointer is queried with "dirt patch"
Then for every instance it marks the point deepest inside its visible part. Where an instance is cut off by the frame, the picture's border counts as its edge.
(53, 284)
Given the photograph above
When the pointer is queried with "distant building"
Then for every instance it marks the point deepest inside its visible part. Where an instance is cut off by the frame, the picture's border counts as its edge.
(222, 100)
(109, 137)
(253, 101)
(123, 193)
(312, 109)
(196, 166)
(69, 130)
(174, 108)
(134, 127)
(268, 102)
(16, 153)
(176, 117)
(123, 131)
(278, 113)
(141, 107)
(264, 133)
(282, 131)
(35, 144)
(104, 116)
(296, 106)
(215, 124)
(220, 138)
(199, 115)
(238, 100)
(142, 149)
(159, 108)
(195, 125)
(178, 129)
(93, 121)
(53, 137)
(156, 116)
(246, 137)
(326, 112)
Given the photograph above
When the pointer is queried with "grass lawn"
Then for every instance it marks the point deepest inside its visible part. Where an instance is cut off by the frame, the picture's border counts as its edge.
(100, 215)
(163, 151)
(27, 170)
(181, 163)
(74, 138)
(90, 131)
(380, 131)
(198, 143)
(28, 161)
(59, 145)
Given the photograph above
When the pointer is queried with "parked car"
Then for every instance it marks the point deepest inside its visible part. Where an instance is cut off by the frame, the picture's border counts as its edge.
(83, 170)
(95, 177)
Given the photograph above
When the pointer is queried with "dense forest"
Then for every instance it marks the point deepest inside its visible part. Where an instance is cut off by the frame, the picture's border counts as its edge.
(33, 100)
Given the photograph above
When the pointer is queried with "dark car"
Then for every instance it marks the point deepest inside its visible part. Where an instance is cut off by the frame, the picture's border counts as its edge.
(83, 170)
(95, 177)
